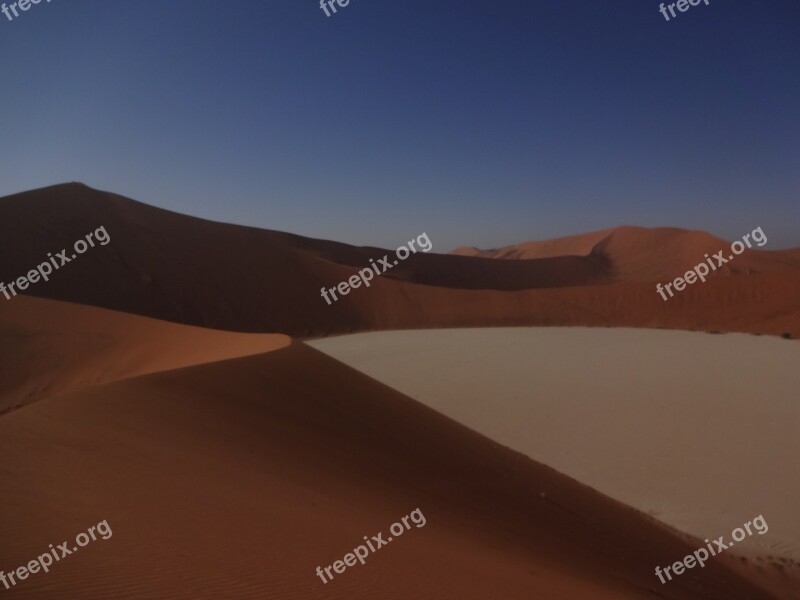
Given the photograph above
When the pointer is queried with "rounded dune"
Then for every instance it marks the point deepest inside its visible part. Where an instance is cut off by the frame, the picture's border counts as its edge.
(60, 347)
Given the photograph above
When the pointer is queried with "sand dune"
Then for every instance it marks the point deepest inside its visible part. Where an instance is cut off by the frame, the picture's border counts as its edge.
(186, 270)
(574, 245)
(55, 347)
(236, 479)
(231, 465)
(641, 254)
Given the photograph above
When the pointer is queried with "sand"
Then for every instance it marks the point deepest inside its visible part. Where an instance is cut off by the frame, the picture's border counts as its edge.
(232, 465)
(237, 479)
(57, 347)
(697, 430)
(651, 254)
(186, 270)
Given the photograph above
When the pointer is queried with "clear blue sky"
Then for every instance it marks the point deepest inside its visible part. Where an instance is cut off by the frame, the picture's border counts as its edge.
(481, 123)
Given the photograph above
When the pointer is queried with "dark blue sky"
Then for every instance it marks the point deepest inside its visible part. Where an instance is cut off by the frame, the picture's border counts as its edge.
(481, 123)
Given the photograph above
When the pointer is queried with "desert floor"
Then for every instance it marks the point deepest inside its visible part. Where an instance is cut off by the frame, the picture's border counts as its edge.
(697, 430)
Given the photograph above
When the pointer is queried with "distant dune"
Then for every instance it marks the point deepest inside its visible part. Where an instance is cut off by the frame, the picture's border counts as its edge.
(576, 245)
(186, 270)
(648, 255)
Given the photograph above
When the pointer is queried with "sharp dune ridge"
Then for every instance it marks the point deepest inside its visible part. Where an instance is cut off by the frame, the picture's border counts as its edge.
(187, 270)
(59, 347)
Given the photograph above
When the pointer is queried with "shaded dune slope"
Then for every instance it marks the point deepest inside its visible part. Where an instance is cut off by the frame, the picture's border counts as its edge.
(238, 478)
(187, 270)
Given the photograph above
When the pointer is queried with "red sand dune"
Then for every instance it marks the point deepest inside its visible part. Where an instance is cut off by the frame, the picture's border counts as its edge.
(575, 245)
(237, 479)
(641, 254)
(187, 270)
(57, 347)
